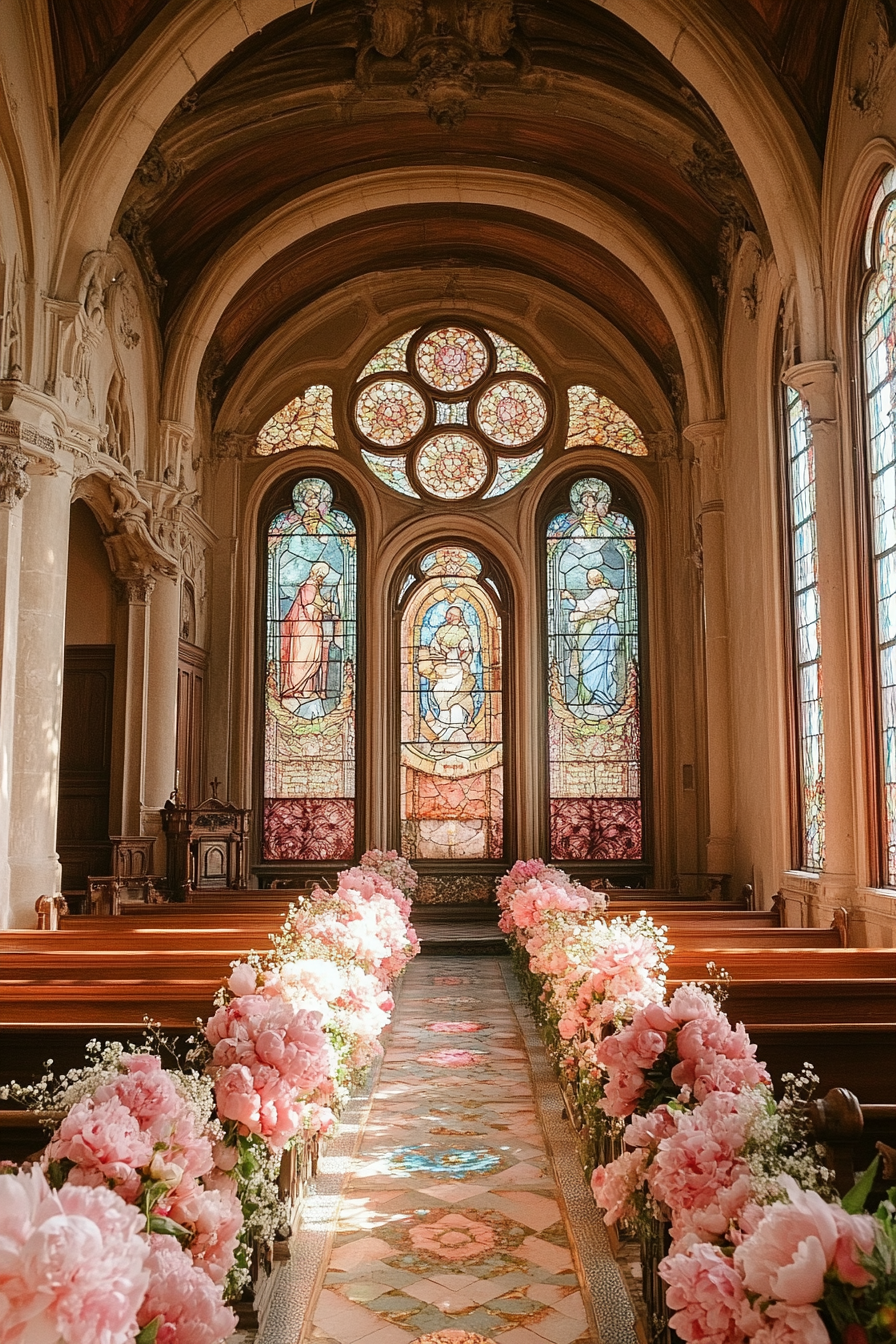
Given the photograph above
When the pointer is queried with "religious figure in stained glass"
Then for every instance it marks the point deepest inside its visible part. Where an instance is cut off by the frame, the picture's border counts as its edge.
(309, 729)
(593, 708)
(451, 755)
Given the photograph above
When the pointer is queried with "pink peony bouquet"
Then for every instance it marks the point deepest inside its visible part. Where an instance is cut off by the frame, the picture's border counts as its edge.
(267, 1057)
(683, 1050)
(182, 1301)
(529, 903)
(390, 865)
(771, 1286)
(73, 1263)
(130, 1131)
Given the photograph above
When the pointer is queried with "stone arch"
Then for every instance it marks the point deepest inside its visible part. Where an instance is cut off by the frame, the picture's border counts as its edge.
(165, 63)
(602, 221)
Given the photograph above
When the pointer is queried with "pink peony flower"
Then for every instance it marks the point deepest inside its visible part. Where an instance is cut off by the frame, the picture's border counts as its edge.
(645, 1131)
(698, 1171)
(213, 1214)
(791, 1325)
(713, 1056)
(186, 1299)
(706, 1295)
(72, 1263)
(614, 1184)
(795, 1244)
(105, 1141)
(243, 979)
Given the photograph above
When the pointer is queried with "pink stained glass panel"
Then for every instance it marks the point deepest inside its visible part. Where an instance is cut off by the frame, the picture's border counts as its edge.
(451, 359)
(309, 829)
(512, 412)
(596, 828)
(452, 466)
(390, 412)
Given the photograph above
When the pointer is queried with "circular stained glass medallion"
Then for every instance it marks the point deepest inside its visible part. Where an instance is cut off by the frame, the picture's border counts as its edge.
(451, 359)
(512, 412)
(390, 412)
(452, 466)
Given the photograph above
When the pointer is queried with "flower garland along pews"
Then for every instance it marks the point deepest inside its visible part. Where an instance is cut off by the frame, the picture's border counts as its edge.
(688, 1143)
(138, 1224)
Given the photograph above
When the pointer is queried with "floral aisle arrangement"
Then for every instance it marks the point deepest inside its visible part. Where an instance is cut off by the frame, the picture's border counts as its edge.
(759, 1247)
(138, 1224)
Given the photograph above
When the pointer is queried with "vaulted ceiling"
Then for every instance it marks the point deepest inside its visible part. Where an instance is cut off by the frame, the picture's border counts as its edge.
(575, 97)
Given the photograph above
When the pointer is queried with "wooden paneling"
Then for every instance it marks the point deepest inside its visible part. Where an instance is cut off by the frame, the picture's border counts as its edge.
(191, 671)
(82, 832)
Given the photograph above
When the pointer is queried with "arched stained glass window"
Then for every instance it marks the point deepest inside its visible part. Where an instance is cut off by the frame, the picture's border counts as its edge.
(594, 715)
(309, 756)
(806, 629)
(305, 422)
(596, 421)
(879, 340)
(451, 711)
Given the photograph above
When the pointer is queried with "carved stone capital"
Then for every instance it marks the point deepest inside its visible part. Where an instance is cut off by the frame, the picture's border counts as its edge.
(14, 480)
(707, 438)
(663, 444)
(136, 590)
(816, 382)
(230, 445)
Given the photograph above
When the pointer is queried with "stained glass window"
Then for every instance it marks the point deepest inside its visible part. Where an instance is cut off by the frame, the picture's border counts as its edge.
(596, 421)
(392, 471)
(306, 422)
(309, 756)
(393, 356)
(453, 380)
(451, 359)
(807, 634)
(512, 412)
(594, 719)
(880, 386)
(509, 358)
(390, 412)
(451, 713)
(452, 466)
(512, 470)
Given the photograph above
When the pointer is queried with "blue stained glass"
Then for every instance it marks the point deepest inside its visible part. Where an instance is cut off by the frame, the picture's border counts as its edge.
(880, 386)
(594, 744)
(510, 471)
(807, 635)
(391, 471)
(309, 763)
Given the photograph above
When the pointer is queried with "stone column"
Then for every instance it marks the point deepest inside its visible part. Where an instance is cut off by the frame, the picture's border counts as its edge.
(33, 862)
(816, 383)
(134, 595)
(708, 439)
(161, 700)
(14, 486)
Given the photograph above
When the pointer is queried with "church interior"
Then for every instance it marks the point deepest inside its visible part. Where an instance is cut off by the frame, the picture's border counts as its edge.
(447, 446)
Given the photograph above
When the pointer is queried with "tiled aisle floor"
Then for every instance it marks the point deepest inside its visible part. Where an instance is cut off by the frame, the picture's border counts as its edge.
(450, 1220)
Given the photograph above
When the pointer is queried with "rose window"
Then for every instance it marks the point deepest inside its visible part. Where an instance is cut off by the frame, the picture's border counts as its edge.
(451, 413)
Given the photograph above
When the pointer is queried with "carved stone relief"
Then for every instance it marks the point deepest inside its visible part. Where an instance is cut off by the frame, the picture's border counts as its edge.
(445, 43)
(14, 480)
(866, 95)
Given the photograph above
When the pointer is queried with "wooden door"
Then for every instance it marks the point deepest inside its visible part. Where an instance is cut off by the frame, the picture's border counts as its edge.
(191, 667)
(85, 753)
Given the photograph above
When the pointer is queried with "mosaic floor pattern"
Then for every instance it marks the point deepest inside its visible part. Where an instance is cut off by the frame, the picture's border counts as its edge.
(451, 1228)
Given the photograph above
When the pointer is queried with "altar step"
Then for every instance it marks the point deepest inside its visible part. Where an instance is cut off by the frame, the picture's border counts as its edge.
(459, 930)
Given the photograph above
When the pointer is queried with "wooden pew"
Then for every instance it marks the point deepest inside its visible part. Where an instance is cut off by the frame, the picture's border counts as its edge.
(820, 963)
